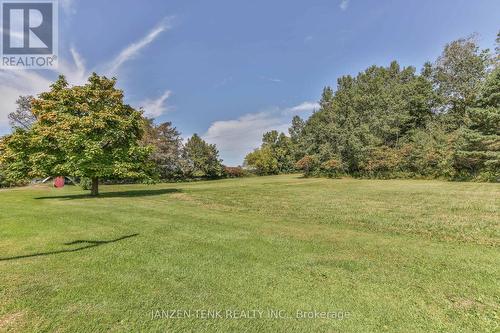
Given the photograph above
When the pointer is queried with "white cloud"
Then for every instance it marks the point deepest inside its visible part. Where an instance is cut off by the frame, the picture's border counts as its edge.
(303, 107)
(131, 51)
(15, 83)
(271, 79)
(344, 4)
(156, 107)
(237, 137)
(74, 71)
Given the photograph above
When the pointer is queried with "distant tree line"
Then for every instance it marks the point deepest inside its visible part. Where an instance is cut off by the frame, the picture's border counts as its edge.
(89, 133)
(443, 122)
(174, 160)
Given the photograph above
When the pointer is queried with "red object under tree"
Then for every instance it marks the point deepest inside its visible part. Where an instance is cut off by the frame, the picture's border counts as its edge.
(59, 182)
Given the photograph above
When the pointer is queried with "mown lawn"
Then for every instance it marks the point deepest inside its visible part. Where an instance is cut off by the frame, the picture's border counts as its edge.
(382, 256)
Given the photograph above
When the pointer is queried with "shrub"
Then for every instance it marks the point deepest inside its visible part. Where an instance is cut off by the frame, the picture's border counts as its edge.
(307, 164)
(3, 179)
(262, 161)
(333, 168)
(383, 161)
(234, 172)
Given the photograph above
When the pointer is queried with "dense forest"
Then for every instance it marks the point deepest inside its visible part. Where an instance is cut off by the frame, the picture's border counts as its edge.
(443, 122)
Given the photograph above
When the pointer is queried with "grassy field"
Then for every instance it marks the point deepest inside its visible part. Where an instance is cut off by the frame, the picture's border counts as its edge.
(377, 256)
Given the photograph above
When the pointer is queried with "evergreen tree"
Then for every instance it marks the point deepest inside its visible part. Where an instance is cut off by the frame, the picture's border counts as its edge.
(478, 151)
(167, 148)
(201, 159)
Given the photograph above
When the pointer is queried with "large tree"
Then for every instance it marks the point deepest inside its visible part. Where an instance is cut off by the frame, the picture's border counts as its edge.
(391, 121)
(478, 149)
(167, 148)
(201, 159)
(378, 107)
(458, 74)
(276, 154)
(262, 161)
(81, 131)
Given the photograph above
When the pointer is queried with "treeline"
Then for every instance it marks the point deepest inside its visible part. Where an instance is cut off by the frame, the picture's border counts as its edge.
(443, 122)
(89, 133)
(174, 160)
(170, 159)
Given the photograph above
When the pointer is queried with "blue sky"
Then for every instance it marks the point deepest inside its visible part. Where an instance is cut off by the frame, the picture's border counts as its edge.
(230, 70)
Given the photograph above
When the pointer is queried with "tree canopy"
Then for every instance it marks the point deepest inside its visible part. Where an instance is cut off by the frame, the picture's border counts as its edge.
(394, 122)
(201, 159)
(81, 131)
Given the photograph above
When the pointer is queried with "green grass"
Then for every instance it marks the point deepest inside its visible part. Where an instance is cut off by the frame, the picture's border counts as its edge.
(396, 255)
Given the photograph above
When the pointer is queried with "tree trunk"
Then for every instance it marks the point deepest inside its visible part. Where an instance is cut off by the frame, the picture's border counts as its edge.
(95, 187)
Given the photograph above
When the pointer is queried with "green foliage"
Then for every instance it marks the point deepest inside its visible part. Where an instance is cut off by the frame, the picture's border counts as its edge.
(3, 179)
(85, 183)
(478, 149)
(307, 164)
(262, 161)
(458, 75)
(392, 122)
(333, 168)
(80, 131)
(234, 172)
(383, 160)
(201, 159)
(429, 152)
(281, 149)
(167, 148)
(377, 108)
(275, 156)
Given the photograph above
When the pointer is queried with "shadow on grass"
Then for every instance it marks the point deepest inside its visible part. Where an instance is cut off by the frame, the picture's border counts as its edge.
(90, 244)
(120, 194)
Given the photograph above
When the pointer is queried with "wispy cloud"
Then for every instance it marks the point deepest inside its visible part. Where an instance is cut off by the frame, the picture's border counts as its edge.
(237, 137)
(344, 4)
(15, 83)
(75, 71)
(271, 79)
(154, 108)
(303, 108)
(131, 51)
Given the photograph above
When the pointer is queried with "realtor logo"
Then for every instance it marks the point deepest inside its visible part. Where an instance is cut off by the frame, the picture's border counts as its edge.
(29, 34)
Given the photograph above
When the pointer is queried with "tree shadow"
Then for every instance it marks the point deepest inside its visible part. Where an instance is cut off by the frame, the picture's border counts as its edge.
(91, 244)
(121, 194)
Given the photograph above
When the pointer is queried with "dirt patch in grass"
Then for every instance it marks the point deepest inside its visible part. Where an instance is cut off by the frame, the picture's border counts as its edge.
(182, 197)
(10, 320)
(465, 303)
